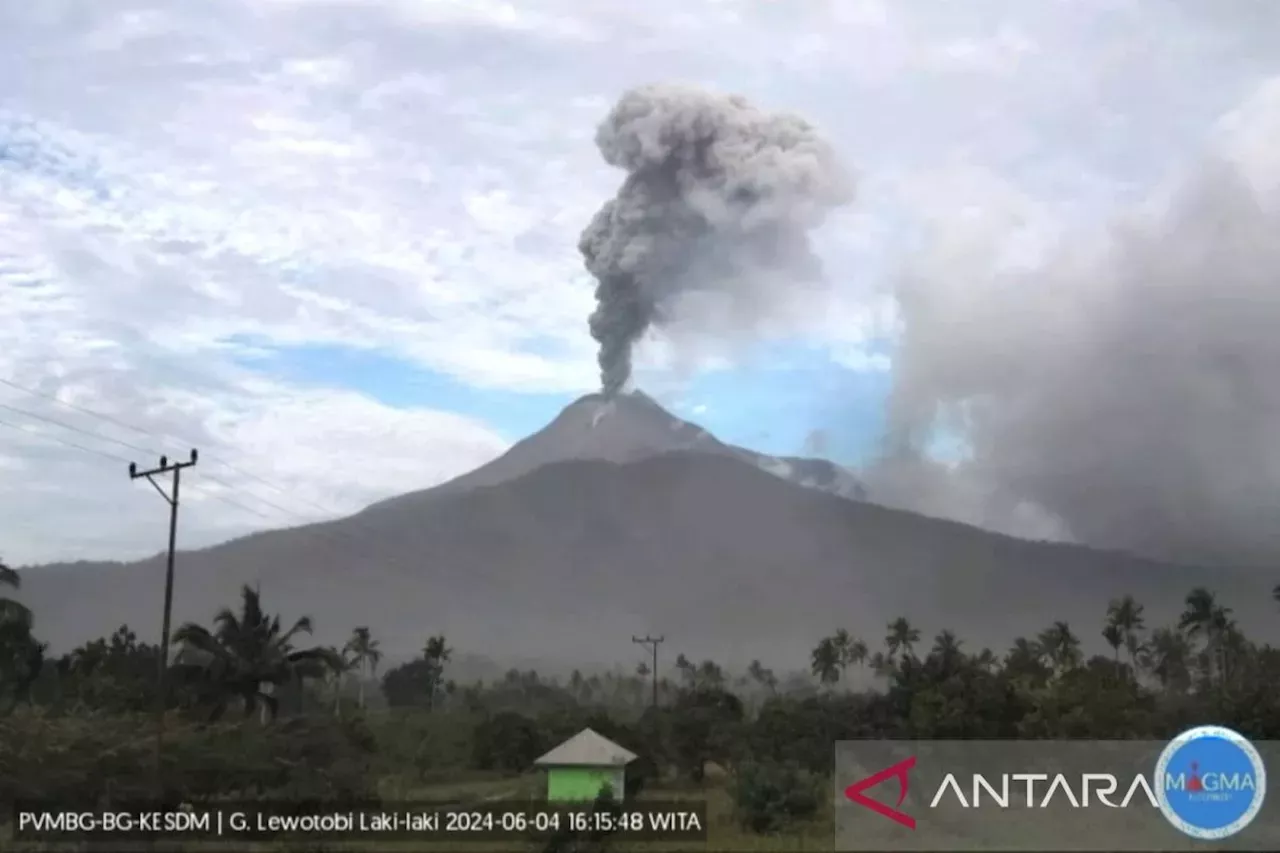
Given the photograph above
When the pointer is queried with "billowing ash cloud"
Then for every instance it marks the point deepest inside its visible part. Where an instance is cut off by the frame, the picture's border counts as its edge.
(1124, 395)
(719, 198)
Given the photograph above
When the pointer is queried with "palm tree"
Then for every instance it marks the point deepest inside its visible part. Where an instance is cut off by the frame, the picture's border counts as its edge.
(247, 656)
(23, 657)
(1060, 646)
(850, 651)
(856, 653)
(1126, 614)
(825, 662)
(1196, 620)
(1026, 661)
(687, 669)
(9, 608)
(342, 664)
(946, 647)
(437, 650)
(709, 675)
(1228, 641)
(901, 637)
(763, 676)
(1203, 618)
(842, 641)
(986, 660)
(1167, 655)
(881, 665)
(1114, 636)
(365, 655)
(437, 653)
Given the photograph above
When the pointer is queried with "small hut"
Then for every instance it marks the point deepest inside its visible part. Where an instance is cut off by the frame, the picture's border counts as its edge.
(581, 767)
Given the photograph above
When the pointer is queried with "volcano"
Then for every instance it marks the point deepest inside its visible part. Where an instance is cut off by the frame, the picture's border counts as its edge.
(618, 519)
(627, 428)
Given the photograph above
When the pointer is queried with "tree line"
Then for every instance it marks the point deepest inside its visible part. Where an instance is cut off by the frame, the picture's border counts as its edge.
(248, 659)
(312, 705)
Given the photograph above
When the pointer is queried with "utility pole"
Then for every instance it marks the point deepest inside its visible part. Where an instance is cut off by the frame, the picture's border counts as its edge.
(162, 672)
(652, 643)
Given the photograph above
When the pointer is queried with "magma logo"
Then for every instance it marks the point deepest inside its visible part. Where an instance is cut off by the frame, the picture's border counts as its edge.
(1213, 782)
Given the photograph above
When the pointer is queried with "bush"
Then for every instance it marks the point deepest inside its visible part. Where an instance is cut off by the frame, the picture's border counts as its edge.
(769, 796)
(88, 758)
(591, 841)
(506, 741)
(419, 745)
(640, 773)
(706, 725)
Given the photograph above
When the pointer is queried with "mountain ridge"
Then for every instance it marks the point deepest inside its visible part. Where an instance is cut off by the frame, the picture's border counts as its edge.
(571, 559)
(628, 427)
(619, 518)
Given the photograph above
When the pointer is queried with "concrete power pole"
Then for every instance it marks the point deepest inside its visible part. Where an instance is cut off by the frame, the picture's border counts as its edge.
(652, 643)
(171, 498)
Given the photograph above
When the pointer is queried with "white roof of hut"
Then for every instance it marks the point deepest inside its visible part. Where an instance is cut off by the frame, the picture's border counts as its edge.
(588, 749)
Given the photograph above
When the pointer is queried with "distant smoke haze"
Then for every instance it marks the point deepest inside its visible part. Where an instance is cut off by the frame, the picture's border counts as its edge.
(715, 210)
(815, 443)
(1125, 394)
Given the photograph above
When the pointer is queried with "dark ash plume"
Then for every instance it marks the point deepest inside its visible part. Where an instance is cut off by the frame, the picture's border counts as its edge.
(719, 198)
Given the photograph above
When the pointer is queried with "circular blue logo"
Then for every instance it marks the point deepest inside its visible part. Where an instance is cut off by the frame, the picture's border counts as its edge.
(1210, 782)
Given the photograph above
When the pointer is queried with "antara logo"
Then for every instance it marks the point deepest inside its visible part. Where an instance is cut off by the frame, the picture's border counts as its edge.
(1081, 792)
(898, 771)
(1009, 790)
(1209, 783)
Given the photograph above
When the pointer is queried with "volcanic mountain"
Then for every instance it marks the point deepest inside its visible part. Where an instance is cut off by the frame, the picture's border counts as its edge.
(628, 428)
(620, 519)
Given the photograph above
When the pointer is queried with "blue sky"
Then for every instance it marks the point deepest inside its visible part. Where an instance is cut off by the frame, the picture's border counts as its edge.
(334, 243)
(772, 401)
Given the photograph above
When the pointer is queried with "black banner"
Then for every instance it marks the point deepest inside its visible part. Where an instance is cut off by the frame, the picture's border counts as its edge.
(54, 822)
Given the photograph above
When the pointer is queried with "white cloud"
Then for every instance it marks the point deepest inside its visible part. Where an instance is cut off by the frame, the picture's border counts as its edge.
(271, 456)
(184, 185)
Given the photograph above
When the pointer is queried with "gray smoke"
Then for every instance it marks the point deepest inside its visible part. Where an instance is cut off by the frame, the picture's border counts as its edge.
(719, 199)
(1123, 394)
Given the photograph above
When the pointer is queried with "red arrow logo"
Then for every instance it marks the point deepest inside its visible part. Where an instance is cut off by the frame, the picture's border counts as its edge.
(898, 771)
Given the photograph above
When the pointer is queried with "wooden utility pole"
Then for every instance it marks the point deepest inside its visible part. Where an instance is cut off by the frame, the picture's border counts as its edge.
(652, 643)
(162, 672)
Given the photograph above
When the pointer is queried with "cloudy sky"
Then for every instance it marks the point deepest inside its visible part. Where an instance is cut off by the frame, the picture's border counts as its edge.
(334, 244)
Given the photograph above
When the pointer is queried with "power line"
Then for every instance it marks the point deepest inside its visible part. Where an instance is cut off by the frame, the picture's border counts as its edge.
(170, 439)
(339, 538)
(131, 446)
(116, 458)
(66, 426)
(213, 479)
(71, 444)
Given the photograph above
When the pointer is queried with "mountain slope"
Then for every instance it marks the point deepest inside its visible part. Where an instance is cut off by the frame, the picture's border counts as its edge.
(628, 428)
(568, 561)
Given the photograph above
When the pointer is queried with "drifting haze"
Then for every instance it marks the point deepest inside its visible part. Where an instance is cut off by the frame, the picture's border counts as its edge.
(1120, 392)
(718, 200)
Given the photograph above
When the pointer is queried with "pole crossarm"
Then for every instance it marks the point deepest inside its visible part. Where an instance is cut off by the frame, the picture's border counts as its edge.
(652, 643)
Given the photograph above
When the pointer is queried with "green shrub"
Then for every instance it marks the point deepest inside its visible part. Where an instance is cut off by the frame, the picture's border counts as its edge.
(770, 796)
(85, 758)
(417, 744)
(507, 741)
